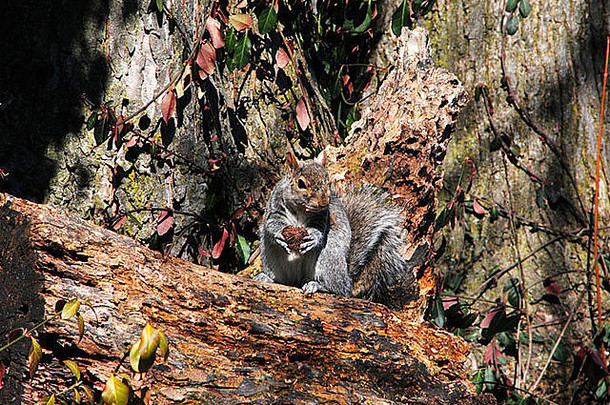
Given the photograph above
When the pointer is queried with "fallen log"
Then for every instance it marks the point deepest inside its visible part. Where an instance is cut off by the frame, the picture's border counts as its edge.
(232, 340)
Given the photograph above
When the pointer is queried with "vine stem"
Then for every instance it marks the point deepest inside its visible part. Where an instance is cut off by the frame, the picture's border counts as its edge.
(29, 332)
(513, 101)
(596, 214)
(558, 340)
(526, 310)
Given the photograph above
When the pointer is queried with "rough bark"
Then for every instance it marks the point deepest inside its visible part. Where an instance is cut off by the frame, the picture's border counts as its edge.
(232, 340)
(555, 63)
(399, 145)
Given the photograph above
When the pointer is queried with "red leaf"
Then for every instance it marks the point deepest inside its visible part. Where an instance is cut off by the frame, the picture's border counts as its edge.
(345, 79)
(238, 213)
(302, 115)
(213, 27)
(220, 245)
(2, 371)
(478, 208)
(233, 233)
(206, 58)
(495, 312)
(491, 353)
(168, 105)
(551, 286)
(15, 333)
(131, 142)
(165, 221)
(215, 164)
(449, 302)
(282, 58)
(119, 223)
(240, 22)
(204, 253)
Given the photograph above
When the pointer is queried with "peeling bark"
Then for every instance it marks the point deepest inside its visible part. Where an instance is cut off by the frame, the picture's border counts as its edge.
(399, 145)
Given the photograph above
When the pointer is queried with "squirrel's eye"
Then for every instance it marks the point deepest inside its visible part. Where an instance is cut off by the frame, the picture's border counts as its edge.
(301, 184)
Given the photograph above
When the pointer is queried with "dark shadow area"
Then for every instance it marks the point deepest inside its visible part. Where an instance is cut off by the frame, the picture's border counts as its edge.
(21, 305)
(50, 60)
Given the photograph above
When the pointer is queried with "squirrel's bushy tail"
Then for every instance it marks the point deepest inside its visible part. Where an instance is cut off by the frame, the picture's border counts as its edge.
(375, 261)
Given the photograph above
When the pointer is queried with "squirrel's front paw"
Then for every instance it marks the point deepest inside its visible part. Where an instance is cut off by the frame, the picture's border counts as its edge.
(280, 240)
(308, 243)
(312, 287)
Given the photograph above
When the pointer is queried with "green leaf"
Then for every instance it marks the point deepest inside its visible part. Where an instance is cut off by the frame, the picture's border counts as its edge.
(34, 356)
(116, 392)
(77, 397)
(477, 379)
(74, 368)
(92, 120)
(241, 55)
(243, 248)
(494, 214)
(401, 18)
(442, 218)
(541, 198)
(100, 133)
(70, 309)
(50, 401)
(513, 289)
(364, 25)
(601, 390)
(562, 353)
(512, 25)
(511, 5)
(525, 8)
(267, 21)
(230, 40)
(496, 144)
(159, 5)
(438, 313)
(515, 149)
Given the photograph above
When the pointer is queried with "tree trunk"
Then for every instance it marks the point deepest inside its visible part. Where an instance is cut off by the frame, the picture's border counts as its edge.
(232, 340)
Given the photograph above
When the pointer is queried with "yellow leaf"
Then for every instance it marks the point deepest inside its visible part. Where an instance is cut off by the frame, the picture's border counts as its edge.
(116, 392)
(70, 309)
(240, 22)
(34, 357)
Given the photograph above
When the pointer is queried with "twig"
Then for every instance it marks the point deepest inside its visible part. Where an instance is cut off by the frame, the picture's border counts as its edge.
(527, 119)
(521, 273)
(558, 340)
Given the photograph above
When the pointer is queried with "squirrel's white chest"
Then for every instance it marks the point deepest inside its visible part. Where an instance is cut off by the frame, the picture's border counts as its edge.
(296, 219)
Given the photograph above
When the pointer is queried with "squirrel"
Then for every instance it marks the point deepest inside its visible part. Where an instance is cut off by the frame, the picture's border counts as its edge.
(314, 238)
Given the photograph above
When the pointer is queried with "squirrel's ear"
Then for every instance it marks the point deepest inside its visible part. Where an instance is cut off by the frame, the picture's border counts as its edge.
(291, 161)
(321, 158)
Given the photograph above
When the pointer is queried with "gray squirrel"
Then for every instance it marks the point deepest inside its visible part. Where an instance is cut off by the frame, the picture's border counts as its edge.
(313, 238)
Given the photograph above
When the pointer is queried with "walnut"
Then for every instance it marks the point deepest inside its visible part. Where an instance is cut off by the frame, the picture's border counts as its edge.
(294, 236)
